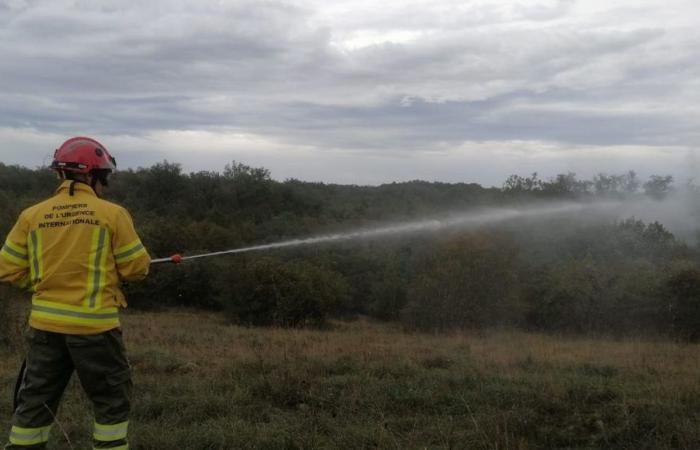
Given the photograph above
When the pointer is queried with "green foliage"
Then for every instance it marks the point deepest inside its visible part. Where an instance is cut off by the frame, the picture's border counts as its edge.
(469, 282)
(193, 285)
(573, 274)
(269, 292)
(567, 185)
(4, 315)
(519, 184)
(682, 312)
(13, 313)
(20, 188)
(658, 187)
(583, 296)
(388, 294)
(616, 185)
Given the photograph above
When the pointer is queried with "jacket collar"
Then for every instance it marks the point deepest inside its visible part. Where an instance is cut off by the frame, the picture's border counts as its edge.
(79, 187)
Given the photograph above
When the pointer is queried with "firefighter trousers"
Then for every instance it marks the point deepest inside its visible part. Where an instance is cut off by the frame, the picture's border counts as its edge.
(104, 373)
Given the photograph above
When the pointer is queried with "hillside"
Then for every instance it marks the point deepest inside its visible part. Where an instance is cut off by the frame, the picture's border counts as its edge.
(620, 273)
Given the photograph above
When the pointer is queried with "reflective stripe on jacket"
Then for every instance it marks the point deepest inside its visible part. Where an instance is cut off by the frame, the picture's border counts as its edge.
(72, 251)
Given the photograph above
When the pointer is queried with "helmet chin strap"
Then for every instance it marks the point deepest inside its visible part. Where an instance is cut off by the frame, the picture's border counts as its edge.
(93, 184)
(99, 177)
(96, 177)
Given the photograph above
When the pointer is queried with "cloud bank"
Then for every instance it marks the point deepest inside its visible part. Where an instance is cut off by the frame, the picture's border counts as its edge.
(352, 93)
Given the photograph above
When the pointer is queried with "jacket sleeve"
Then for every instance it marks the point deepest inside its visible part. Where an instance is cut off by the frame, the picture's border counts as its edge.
(130, 255)
(14, 256)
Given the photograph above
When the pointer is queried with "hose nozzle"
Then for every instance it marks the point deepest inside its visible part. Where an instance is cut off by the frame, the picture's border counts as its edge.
(175, 259)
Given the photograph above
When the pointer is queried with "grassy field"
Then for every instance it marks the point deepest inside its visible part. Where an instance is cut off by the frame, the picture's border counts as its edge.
(203, 384)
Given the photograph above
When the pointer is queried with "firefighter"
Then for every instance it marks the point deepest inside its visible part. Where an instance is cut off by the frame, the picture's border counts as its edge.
(72, 251)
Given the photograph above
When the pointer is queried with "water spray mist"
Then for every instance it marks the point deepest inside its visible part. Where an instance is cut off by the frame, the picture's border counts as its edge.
(461, 221)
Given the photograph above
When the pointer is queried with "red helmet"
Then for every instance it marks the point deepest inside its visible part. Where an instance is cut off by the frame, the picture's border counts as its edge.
(82, 155)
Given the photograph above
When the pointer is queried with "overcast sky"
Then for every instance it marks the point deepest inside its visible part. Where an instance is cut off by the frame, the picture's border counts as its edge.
(358, 93)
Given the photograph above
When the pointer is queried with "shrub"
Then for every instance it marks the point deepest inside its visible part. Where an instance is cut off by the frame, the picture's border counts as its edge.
(469, 282)
(585, 296)
(682, 310)
(14, 310)
(270, 292)
(193, 283)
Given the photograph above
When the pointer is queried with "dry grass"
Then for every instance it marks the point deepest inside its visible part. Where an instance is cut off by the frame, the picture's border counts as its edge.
(201, 383)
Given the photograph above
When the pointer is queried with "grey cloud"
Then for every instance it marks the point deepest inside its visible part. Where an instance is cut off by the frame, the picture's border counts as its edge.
(448, 15)
(540, 11)
(271, 68)
(423, 123)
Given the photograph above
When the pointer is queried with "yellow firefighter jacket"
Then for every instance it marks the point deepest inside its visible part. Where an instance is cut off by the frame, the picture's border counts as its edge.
(72, 252)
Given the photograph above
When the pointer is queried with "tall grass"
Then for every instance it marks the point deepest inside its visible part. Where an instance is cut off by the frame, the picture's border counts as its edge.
(203, 384)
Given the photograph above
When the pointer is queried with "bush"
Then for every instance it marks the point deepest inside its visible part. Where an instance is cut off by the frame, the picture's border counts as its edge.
(193, 283)
(14, 311)
(270, 292)
(388, 295)
(469, 282)
(4, 316)
(682, 310)
(587, 297)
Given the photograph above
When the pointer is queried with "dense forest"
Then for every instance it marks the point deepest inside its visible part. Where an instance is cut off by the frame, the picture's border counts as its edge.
(611, 275)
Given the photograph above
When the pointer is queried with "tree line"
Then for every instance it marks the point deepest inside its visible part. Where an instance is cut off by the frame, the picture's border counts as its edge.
(563, 274)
